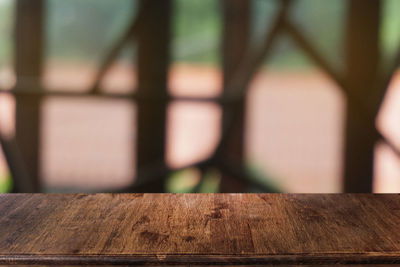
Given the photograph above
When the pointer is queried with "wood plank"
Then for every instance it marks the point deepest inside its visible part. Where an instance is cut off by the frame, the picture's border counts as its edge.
(291, 229)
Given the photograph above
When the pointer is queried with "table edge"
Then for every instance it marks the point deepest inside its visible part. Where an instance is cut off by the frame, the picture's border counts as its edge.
(180, 259)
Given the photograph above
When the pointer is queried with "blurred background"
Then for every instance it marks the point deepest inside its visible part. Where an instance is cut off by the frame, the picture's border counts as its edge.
(199, 96)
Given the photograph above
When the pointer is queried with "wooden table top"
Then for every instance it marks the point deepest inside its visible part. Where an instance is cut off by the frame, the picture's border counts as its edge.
(199, 229)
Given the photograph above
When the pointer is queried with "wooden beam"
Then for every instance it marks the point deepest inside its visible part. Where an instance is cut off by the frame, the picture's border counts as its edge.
(362, 55)
(28, 69)
(153, 62)
(236, 26)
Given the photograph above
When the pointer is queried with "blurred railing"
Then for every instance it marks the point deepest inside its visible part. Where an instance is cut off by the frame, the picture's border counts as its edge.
(364, 81)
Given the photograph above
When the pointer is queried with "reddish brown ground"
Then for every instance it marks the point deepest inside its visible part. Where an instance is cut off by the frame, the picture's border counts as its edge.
(294, 128)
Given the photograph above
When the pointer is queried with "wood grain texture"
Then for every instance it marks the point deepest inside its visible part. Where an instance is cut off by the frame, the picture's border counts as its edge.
(199, 229)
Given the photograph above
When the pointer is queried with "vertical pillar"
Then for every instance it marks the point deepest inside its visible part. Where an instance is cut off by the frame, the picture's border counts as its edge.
(236, 25)
(153, 62)
(362, 55)
(28, 68)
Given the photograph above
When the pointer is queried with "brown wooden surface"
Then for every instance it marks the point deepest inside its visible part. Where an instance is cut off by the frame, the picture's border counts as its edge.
(199, 229)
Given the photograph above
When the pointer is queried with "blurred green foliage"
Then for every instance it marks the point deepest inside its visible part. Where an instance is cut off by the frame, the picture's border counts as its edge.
(85, 29)
(6, 21)
(5, 183)
(196, 31)
(390, 33)
(190, 181)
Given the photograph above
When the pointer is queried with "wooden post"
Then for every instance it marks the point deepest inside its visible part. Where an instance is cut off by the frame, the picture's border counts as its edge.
(362, 55)
(153, 62)
(28, 69)
(234, 45)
